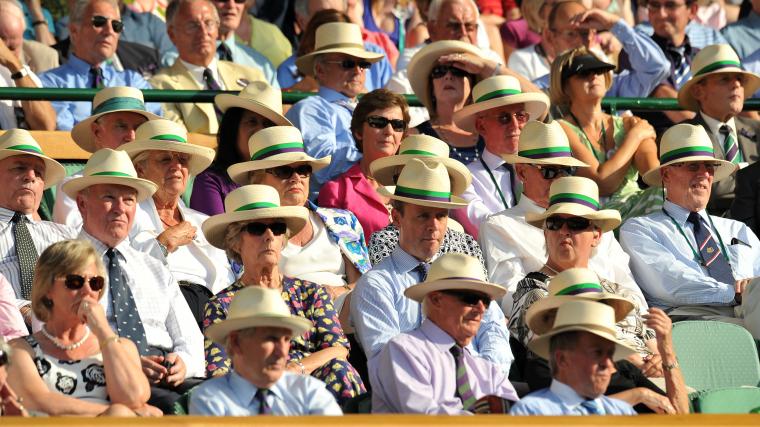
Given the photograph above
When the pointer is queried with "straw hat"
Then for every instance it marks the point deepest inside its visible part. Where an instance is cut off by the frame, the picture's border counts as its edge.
(109, 100)
(583, 316)
(426, 59)
(19, 142)
(107, 166)
(251, 203)
(715, 59)
(570, 285)
(578, 196)
(425, 148)
(498, 91)
(272, 147)
(258, 97)
(254, 306)
(455, 271)
(425, 184)
(336, 37)
(687, 143)
(543, 144)
(167, 135)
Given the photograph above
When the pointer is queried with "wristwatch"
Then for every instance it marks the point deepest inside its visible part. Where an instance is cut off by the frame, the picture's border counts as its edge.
(21, 73)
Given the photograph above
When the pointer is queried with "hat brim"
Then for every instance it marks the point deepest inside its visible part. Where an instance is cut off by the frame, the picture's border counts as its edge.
(225, 101)
(200, 157)
(687, 101)
(144, 187)
(305, 63)
(558, 161)
(455, 201)
(218, 332)
(239, 171)
(215, 228)
(419, 291)
(605, 219)
(726, 169)
(82, 135)
(540, 315)
(536, 104)
(540, 344)
(383, 169)
(54, 171)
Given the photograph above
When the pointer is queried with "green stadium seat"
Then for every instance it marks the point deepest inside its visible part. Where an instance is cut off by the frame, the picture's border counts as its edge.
(733, 400)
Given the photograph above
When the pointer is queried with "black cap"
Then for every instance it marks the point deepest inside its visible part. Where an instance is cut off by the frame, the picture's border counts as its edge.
(585, 63)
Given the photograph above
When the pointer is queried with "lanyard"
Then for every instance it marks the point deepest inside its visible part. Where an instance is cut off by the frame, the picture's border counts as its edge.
(493, 179)
(601, 141)
(697, 255)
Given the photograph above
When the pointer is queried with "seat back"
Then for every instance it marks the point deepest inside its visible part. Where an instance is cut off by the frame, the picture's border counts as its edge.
(733, 400)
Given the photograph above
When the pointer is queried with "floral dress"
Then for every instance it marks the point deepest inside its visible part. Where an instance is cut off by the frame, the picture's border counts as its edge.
(307, 300)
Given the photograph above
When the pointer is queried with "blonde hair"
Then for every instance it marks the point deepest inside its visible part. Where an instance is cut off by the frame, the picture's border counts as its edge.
(557, 93)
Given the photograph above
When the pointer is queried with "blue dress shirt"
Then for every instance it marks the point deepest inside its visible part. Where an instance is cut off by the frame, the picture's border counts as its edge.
(561, 399)
(148, 30)
(699, 35)
(76, 74)
(233, 395)
(744, 35)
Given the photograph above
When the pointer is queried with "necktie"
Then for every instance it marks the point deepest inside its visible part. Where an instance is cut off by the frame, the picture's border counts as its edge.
(26, 253)
(464, 390)
(96, 73)
(681, 71)
(128, 323)
(223, 52)
(730, 147)
(591, 407)
(712, 258)
(211, 83)
(422, 269)
(261, 398)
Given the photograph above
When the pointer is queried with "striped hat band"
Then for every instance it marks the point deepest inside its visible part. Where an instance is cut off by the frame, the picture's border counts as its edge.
(416, 193)
(574, 198)
(272, 150)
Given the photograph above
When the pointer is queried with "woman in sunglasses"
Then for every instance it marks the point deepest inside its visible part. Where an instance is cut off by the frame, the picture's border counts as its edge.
(254, 230)
(75, 364)
(616, 149)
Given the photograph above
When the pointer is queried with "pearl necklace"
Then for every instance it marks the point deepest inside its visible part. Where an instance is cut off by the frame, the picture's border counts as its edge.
(56, 342)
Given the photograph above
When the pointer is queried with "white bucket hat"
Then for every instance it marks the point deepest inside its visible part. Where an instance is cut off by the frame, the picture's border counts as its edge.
(258, 97)
(543, 144)
(108, 166)
(455, 271)
(19, 142)
(336, 37)
(425, 184)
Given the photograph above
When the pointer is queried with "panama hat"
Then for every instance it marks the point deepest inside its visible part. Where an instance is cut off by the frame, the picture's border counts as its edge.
(426, 59)
(107, 166)
(254, 306)
(258, 97)
(715, 59)
(582, 316)
(116, 99)
(425, 148)
(687, 143)
(425, 184)
(498, 91)
(578, 196)
(251, 203)
(543, 144)
(167, 135)
(455, 271)
(336, 37)
(19, 142)
(272, 147)
(572, 284)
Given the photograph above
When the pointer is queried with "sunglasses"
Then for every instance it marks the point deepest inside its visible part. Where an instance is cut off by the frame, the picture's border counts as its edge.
(469, 298)
(505, 119)
(99, 21)
(554, 172)
(259, 228)
(3, 357)
(584, 74)
(697, 166)
(348, 64)
(574, 223)
(75, 282)
(380, 122)
(440, 70)
(285, 172)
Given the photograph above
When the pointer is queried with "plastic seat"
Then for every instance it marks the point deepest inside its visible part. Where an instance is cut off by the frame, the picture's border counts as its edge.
(734, 400)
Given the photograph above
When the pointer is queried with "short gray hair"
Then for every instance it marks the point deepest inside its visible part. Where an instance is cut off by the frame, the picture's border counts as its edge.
(241, 332)
(563, 341)
(173, 8)
(232, 240)
(77, 11)
(435, 8)
(13, 6)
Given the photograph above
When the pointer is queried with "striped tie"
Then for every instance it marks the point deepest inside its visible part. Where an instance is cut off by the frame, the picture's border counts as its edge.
(591, 407)
(261, 398)
(464, 390)
(96, 73)
(712, 259)
(730, 147)
(681, 71)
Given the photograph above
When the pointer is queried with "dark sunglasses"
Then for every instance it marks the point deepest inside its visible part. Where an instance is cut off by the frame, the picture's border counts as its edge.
(348, 64)
(259, 228)
(574, 223)
(99, 21)
(380, 122)
(440, 70)
(554, 172)
(469, 298)
(285, 172)
(505, 119)
(75, 282)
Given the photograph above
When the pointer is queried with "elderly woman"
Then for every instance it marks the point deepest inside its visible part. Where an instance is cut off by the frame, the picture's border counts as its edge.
(256, 107)
(616, 149)
(379, 123)
(254, 231)
(75, 364)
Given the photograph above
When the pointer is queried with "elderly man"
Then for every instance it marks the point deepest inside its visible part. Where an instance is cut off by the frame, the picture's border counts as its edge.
(144, 302)
(193, 26)
(421, 201)
(257, 334)
(38, 56)
(430, 369)
(689, 263)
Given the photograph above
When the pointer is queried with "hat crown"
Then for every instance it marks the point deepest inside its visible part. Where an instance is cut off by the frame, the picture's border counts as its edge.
(574, 281)
(249, 197)
(585, 313)
(540, 140)
(427, 180)
(683, 141)
(118, 98)
(161, 130)
(263, 93)
(424, 145)
(20, 140)
(255, 301)
(574, 189)
(714, 58)
(455, 266)
(494, 87)
(275, 140)
(338, 35)
(108, 162)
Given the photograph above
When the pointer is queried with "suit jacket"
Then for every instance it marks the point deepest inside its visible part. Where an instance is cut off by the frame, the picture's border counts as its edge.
(200, 117)
(38, 56)
(133, 56)
(746, 206)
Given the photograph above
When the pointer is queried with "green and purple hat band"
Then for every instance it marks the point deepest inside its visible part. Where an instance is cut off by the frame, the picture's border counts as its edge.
(273, 150)
(169, 137)
(27, 148)
(546, 153)
(415, 193)
(690, 151)
(717, 66)
(119, 103)
(581, 288)
(498, 94)
(419, 153)
(257, 205)
(576, 198)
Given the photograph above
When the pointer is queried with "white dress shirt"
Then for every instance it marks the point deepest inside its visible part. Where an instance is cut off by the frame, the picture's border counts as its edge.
(197, 72)
(65, 209)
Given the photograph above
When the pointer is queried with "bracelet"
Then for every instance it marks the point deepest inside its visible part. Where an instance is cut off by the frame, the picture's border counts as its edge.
(300, 365)
(670, 367)
(40, 22)
(109, 340)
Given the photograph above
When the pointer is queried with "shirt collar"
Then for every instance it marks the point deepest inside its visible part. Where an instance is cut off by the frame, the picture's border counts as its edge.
(567, 395)
(197, 70)
(680, 214)
(528, 205)
(491, 160)
(437, 336)
(403, 261)
(100, 247)
(715, 125)
(332, 95)
(6, 215)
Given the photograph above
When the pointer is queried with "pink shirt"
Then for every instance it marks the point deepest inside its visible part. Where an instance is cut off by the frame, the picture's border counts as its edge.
(11, 322)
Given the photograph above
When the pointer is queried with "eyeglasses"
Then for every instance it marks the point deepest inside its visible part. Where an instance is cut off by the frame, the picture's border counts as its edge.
(440, 70)
(575, 34)
(697, 166)
(574, 223)
(259, 228)
(348, 64)
(285, 172)
(75, 282)
(469, 298)
(654, 6)
(196, 26)
(505, 119)
(455, 26)
(380, 122)
(551, 172)
(99, 21)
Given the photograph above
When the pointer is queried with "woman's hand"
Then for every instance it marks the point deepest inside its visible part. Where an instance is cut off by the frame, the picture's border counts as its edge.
(94, 316)
(177, 235)
(473, 64)
(10, 404)
(652, 367)
(656, 402)
(660, 323)
(642, 129)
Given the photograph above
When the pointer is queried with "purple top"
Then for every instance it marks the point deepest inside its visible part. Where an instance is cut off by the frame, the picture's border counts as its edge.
(209, 190)
(517, 34)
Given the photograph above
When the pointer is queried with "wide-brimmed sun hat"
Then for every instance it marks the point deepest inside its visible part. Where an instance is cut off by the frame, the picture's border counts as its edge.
(455, 271)
(425, 148)
(167, 135)
(109, 100)
(572, 284)
(336, 37)
(687, 143)
(426, 59)
(107, 166)
(543, 144)
(250, 203)
(258, 97)
(583, 316)
(272, 147)
(425, 184)
(254, 306)
(499, 91)
(715, 59)
(577, 196)
(19, 142)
